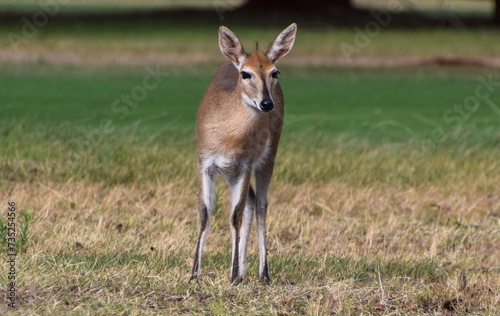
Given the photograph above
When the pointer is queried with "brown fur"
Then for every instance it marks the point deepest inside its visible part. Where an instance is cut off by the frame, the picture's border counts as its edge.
(225, 125)
(238, 128)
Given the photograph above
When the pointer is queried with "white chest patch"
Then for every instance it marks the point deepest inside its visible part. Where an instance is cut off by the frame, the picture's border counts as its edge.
(221, 162)
(218, 161)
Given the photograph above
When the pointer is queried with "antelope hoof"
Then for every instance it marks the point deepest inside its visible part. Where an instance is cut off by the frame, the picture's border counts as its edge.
(193, 277)
(236, 280)
(266, 280)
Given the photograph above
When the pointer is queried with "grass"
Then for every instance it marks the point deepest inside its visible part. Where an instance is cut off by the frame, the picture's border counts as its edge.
(21, 236)
(370, 212)
(353, 228)
(103, 247)
(357, 99)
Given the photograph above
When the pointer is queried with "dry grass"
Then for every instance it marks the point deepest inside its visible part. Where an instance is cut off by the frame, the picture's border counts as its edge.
(355, 230)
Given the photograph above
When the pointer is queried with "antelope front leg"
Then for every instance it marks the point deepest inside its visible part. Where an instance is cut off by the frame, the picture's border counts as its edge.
(206, 193)
(243, 201)
(263, 179)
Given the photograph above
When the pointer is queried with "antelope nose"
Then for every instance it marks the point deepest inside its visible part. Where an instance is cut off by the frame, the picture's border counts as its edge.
(266, 105)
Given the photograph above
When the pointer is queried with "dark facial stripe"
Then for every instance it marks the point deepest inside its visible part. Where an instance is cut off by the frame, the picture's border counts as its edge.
(265, 91)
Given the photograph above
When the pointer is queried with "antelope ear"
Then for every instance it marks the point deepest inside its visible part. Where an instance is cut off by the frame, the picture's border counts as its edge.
(282, 44)
(231, 47)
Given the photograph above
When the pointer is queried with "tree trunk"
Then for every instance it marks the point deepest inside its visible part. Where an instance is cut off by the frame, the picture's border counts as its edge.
(299, 5)
(497, 11)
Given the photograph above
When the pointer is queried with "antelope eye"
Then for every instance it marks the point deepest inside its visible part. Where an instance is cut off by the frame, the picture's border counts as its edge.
(275, 74)
(246, 75)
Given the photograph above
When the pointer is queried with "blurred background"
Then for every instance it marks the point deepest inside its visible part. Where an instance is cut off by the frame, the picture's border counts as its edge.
(379, 70)
(387, 176)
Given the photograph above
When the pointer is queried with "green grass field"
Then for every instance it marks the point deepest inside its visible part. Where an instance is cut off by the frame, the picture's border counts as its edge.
(395, 105)
(384, 198)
